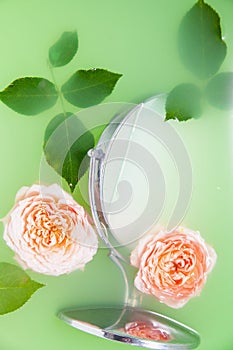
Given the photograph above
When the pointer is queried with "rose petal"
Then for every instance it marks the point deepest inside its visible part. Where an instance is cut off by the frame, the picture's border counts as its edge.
(173, 266)
(49, 232)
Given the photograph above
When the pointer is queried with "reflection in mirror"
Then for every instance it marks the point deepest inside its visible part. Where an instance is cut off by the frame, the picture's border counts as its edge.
(132, 326)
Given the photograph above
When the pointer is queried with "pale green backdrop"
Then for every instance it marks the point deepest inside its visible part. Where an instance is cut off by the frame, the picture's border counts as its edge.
(139, 40)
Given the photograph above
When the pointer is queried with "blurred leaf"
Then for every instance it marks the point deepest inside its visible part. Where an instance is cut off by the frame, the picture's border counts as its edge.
(219, 91)
(30, 95)
(16, 287)
(66, 143)
(64, 49)
(183, 102)
(201, 46)
(97, 132)
(89, 87)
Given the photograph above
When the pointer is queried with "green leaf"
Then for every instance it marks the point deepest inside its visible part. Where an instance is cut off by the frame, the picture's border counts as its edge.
(183, 102)
(16, 287)
(30, 95)
(64, 49)
(219, 91)
(89, 87)
(201, 46)
(66, 143)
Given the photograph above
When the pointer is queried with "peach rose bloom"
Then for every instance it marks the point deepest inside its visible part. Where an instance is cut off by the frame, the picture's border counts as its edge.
(49, 232)
(172, 266)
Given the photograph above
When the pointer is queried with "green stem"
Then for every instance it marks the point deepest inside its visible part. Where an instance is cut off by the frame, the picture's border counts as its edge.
(60, 96)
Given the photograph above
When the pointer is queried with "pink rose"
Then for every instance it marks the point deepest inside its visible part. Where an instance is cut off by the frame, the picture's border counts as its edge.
(49, 232)
(172, 266)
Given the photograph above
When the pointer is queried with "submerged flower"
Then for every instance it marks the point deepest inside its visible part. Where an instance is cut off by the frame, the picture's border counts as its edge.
(172, 266)
(49, 232)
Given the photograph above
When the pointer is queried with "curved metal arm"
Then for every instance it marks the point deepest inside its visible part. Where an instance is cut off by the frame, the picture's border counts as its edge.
(131, 297)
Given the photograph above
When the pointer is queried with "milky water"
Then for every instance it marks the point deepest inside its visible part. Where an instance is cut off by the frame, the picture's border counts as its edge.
(139, 40)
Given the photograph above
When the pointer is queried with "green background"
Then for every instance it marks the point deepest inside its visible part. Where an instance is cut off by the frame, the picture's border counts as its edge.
(139, 40)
